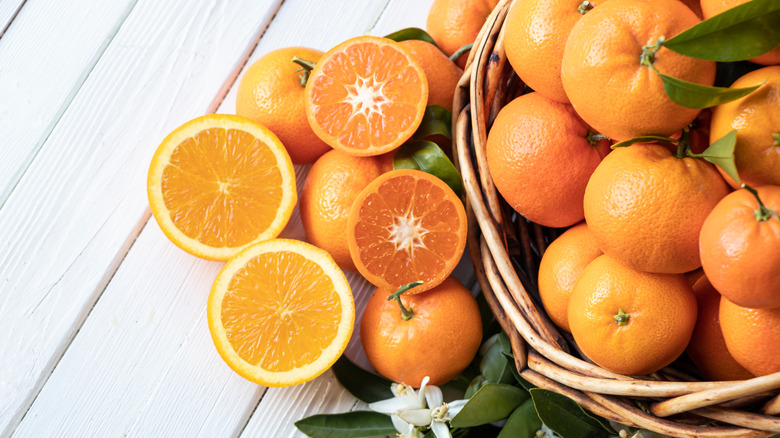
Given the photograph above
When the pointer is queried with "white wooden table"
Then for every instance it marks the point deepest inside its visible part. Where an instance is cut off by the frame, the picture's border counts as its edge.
(103, 327)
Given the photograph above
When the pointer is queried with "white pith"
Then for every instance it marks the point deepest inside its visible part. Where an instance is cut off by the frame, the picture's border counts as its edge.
(407, 232)
(366, 96)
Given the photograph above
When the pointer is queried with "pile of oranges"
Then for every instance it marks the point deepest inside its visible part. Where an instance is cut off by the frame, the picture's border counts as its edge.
(665, 251)
(223, 187)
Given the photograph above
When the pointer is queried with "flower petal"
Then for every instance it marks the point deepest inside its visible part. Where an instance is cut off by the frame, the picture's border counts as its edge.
(425, 381)
(400, 425)
(390, 406)
(455, 407)
(418, 417)
(441, 430)
(433, 396)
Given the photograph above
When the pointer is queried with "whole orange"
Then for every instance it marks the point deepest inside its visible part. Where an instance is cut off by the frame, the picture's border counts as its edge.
(455, 23)
(607, 68)
(536, 33)
(540, 155)
(439, 340)
(331, 187)
(751, 336)
(561, 267)
(707, 348)
(270, 93)
(442, 74)
(631, 322)
(739, 245)
(756, 117)
(646, 207)
(711, 8)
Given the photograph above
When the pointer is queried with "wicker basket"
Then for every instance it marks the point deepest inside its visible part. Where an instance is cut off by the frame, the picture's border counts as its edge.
(506, 250)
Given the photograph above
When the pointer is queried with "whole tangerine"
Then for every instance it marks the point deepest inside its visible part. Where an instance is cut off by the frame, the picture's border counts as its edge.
(442, 74)
(751, 336)
(455, 23)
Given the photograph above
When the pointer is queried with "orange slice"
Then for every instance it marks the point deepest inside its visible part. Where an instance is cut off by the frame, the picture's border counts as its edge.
(406, 226)
(366, 96)
(219, 183)
(280, 312)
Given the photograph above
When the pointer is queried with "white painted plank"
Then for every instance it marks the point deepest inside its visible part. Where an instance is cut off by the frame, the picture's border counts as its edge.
(76, 211)
(41, 71)
(8, 10)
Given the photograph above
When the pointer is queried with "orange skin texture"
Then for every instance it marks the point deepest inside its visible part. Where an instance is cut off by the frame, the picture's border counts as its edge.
(740, 255)
(646, 207)
(270, 93)
(707, 348)
(455, 23)
(536, 33)
(540, 160)
(756, 117)
(439, 341)
(561, 267)
(751, 336)
(661, 309)
(605, 81)
(442, 74)
(711, 8)
(333, 183)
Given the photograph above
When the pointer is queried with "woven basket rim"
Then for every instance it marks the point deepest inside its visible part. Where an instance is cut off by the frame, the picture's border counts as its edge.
(541, 352)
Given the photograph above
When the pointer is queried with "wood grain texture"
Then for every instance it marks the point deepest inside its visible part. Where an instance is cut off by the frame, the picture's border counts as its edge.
(41, 72)
(8, 12)
(70, 220)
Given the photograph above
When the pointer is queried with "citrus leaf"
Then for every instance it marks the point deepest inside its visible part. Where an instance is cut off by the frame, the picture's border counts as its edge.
(364, 385)
(565, 417)
(476, 384)
(699, 96)
(411, 33)
(743, 32)
(721, 154)
(523, 423)
(428, 157)
(437, 120)
(493, 402)
(643, 139)
(348, 424)
(495, 366)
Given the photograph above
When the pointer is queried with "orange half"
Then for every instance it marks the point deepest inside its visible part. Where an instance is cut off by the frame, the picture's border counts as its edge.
(366, 96)
(406, 226)
(219, 183)
(280, 312)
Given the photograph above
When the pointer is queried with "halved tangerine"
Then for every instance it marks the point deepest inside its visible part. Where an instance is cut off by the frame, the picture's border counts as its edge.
(280, 312)
(366, 96)
(219, 183)
(406, 226)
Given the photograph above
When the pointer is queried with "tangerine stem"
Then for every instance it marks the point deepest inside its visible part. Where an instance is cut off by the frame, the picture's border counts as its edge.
(306, 67)
(584, 7)
(458, 53)
(406, 314)
(648, 52)
(763, 213)
(776, 136)
(594, 138)
(622, 317)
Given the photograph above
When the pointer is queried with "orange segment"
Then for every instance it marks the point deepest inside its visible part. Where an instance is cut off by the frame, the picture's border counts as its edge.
(281, 312)
(406, 226)
(220, 183)
(366, 96)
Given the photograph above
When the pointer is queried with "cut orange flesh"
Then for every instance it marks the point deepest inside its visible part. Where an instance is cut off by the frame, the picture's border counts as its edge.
(406, 226)
(220, 183)
(366, 96)
(281, 312)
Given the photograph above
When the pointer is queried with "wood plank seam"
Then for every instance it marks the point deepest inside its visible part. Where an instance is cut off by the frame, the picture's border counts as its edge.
(378, 17)
(13, 17)
(66, 103)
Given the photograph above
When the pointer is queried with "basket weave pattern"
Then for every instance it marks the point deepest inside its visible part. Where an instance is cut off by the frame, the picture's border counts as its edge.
(506, 249)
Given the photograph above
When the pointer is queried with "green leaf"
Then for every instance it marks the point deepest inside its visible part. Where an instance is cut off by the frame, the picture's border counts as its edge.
(721, 154)
(492, 402)
(349, 424)
(565, 417)
(699, 96)
(523, 423)
(411, 33)
(365, 385)
(437, 120)
(743, 32)
(506, 344)
(495, 366)
(428, 157)
(643, 139)
(476, 384)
